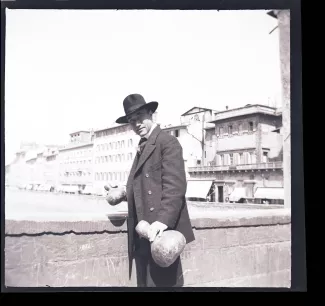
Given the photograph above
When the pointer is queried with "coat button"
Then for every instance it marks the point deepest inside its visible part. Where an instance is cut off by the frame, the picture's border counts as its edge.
(151, 209)
(149, 192)
(147, 175)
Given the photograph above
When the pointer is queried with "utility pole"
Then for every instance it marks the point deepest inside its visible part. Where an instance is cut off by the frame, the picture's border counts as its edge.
(202, 142)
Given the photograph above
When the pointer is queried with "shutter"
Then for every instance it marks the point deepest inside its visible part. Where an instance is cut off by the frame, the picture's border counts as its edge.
(236, 158)
(227, 160)
(253, 158)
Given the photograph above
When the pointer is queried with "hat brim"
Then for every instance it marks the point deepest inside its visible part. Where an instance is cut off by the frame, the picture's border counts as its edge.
(150, 105)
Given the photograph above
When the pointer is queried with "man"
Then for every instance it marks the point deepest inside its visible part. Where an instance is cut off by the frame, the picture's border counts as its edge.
(155, 192)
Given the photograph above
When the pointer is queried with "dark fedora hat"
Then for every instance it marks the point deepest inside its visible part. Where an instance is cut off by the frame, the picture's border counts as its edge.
(133, 103)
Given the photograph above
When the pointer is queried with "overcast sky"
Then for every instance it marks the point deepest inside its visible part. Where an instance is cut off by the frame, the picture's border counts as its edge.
(70, 70)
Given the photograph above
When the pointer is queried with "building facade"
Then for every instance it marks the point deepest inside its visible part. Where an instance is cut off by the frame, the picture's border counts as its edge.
(18, 174)
(113, 154)
(51, 167)
(75, 162)
(114, 151)
(244, 153)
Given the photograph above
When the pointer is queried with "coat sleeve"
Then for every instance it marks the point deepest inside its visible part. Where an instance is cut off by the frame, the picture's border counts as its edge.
(173, 183)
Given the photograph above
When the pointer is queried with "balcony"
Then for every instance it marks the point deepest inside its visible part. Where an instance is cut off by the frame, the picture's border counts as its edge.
(252, 167)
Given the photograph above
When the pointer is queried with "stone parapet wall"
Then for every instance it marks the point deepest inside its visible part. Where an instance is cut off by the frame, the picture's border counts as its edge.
(240, 248)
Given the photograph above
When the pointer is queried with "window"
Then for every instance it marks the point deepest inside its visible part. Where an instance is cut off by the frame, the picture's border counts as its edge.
(222, 160)
(231, 158)
(106, 159)
(241, 158)
(221, 131)
(230, 129)
(248, 158)
(265, 157)
(176, 133)
(240, 127)
(250, 126)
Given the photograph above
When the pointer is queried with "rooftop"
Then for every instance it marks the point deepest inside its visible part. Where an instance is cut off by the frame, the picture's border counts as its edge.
(114, 125)
(201, 109)
(80, 132)
(249, 109)
(172, 126)
(76, 145)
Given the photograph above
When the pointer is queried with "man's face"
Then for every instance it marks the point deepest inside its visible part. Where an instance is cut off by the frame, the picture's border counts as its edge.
(141, 122)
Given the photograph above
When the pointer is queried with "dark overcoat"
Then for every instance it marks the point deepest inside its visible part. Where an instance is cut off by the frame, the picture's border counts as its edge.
(156, 187)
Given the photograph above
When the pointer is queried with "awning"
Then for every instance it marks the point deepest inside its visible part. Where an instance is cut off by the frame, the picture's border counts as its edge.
(237, 194)
(198, 189)
(274, 193)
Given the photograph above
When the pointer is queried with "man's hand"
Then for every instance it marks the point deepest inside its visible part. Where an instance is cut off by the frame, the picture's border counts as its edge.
(115, 194)
(155, 230)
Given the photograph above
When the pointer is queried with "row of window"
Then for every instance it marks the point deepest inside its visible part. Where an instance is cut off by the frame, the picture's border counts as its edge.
(78, 173)
(111, 176)
(236, 128)
(119, 130)
(84, 152)
(114, 145)
(79, 162)
(242, 158)
(114, 158)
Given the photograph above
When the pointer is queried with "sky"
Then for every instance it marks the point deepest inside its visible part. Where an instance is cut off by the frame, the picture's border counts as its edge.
(70, 70)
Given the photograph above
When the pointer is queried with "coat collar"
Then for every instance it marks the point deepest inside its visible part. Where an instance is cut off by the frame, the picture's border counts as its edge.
(148, 149)
(154, 134)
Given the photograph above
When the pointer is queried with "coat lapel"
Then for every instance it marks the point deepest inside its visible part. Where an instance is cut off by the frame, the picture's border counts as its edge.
(148, 149)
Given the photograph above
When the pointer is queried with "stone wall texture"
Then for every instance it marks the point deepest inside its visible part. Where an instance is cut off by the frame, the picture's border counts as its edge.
(233, 251)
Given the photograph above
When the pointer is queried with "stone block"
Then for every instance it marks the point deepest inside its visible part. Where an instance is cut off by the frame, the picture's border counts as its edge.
(102, 271)
(278, 279)
(235, 236)
(235, 262)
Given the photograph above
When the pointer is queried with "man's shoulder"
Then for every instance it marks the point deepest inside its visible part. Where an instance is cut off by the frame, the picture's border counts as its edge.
(165, 138)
